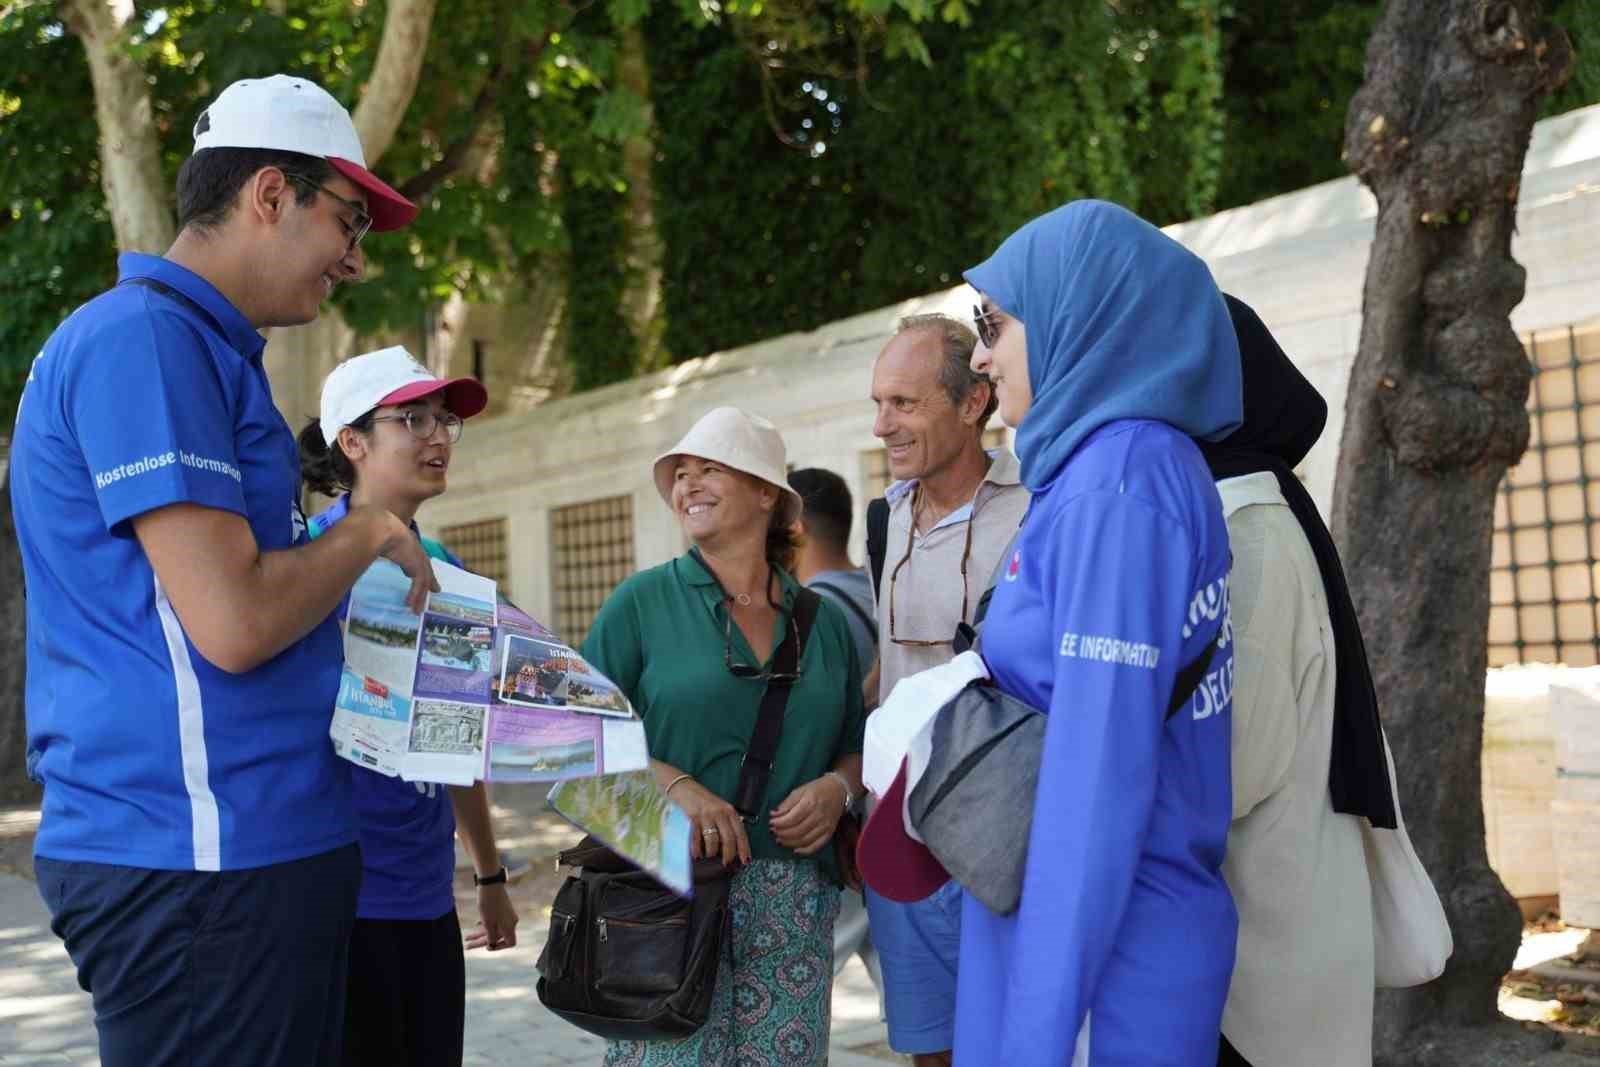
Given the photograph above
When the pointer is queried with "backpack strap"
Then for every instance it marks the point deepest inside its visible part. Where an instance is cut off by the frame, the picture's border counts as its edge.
(756, 770)
(877, 541)
(849, 602)
(1189, 679)
(178, 297)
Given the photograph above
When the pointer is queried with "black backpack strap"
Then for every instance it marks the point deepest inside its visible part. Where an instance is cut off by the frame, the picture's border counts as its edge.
(178, 297)
(877, 541)
(849, 602)
(1189, 679)
(756, 769)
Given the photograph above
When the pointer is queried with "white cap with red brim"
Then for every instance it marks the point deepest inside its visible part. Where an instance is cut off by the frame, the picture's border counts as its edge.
(388, 377)
(290, 114)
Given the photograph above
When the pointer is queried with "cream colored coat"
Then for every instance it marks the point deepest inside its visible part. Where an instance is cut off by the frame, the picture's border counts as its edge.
(1303, 981)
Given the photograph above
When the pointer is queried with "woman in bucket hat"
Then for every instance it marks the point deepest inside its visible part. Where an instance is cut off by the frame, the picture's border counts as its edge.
(384, 437)
(682, 641)
(1111, 351)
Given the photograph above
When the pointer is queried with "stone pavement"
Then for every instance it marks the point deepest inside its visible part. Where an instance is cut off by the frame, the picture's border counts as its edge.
(45, 1019)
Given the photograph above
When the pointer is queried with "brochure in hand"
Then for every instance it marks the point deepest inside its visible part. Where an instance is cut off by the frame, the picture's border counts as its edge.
(634, 818)
(426, 697)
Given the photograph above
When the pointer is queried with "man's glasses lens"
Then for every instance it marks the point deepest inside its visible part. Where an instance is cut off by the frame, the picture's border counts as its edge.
(356, 226)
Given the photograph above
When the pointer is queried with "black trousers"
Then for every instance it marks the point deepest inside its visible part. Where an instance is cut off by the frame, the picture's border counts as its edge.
(210, 968)
(406, 1002)
(1228, 1056)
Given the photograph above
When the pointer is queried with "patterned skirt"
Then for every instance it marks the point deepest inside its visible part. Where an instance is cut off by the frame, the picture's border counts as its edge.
(775, 983)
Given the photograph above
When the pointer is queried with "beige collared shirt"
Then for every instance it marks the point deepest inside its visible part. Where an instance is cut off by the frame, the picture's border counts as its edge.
(926, 576)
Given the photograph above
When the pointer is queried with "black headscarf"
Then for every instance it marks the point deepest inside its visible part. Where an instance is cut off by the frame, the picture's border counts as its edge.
(1283, 417)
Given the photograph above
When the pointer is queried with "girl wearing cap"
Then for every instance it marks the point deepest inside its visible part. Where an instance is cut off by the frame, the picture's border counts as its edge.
(384, 438)
(694, 643)
(1111, 350)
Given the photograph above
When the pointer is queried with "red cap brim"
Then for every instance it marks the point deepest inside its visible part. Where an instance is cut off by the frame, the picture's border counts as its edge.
(892, 863)
(464, 396)
(389, 210)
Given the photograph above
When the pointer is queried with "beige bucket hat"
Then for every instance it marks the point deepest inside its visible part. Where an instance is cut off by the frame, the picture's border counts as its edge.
(737, 439)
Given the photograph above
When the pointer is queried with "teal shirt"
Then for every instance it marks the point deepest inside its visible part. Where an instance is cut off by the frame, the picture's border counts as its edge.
(659, 636)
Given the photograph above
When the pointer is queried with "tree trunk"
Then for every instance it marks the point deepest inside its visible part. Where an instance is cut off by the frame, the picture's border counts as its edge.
(130, 157)
(15, 785)
(1436, 413)
(394, 76)
(641, 299)
(299, 357)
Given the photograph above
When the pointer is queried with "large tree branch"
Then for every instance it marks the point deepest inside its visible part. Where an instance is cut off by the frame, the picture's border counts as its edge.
(394, 76)
(130, 157)
(458, 151)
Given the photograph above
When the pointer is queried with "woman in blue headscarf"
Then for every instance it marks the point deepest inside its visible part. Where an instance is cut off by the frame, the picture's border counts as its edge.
(1110, 348)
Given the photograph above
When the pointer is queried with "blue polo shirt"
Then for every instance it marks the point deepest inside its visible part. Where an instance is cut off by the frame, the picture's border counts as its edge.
(151, 756)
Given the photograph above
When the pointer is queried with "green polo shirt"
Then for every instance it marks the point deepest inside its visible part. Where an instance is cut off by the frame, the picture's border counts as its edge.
(660, 636)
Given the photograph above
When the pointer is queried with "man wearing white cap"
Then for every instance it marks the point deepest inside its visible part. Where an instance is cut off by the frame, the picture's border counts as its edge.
(197, 846)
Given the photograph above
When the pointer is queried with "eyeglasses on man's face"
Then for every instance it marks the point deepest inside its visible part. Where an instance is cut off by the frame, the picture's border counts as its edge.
(422, 422)
(359, 222)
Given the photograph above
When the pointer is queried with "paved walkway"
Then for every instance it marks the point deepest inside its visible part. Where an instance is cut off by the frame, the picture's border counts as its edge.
(45, 1019)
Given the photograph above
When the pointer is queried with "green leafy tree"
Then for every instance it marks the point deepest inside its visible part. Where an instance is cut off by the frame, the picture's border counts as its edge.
(861, 181)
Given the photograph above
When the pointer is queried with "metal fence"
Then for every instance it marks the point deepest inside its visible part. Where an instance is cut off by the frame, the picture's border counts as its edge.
(591, 552)
(1545, 573)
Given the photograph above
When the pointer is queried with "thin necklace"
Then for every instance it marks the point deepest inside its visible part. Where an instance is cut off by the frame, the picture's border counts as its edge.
(742, 599)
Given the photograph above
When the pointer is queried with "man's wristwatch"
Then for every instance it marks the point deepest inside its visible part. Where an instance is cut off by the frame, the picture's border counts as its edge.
(497, 878)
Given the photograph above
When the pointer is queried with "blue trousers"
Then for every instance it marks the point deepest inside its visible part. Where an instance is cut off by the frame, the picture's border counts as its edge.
(210, 968)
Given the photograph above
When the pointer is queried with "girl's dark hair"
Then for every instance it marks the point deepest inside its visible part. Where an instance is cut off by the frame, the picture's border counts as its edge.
(782, 544)
(323, 467)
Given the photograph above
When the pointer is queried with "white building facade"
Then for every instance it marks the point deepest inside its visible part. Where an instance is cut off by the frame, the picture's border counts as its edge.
(560, 505)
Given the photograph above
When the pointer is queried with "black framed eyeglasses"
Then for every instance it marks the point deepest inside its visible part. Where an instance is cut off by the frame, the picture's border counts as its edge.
(983, 320)
(422, 422)
(356, 226)
(894, 576)
(745, 670)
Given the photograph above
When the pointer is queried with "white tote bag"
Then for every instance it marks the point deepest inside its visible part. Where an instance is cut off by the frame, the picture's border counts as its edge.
(1411, 935)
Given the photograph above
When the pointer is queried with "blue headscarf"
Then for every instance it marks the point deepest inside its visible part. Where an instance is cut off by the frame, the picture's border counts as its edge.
(1123, 323)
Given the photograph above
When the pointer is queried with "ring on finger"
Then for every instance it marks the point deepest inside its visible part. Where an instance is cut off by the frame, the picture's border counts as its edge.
(710, 831)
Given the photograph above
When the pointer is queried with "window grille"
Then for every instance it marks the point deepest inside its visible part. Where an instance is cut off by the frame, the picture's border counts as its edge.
(1544, 577)
(481, 547)
(592, 551)
(875, 476)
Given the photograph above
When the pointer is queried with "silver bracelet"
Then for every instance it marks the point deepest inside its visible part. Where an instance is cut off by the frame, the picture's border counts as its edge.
(849, 797)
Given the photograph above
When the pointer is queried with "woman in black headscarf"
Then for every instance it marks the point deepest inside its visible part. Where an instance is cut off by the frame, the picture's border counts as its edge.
(1308, 757)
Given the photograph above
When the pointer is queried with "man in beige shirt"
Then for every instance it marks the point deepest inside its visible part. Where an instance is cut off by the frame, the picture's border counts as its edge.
(952, 511)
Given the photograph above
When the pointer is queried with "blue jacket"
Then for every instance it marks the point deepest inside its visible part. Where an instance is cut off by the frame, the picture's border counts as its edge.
(1125, 931)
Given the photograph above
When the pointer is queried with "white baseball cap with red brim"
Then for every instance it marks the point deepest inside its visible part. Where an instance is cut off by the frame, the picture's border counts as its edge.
(385, 378)
(291, 114)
